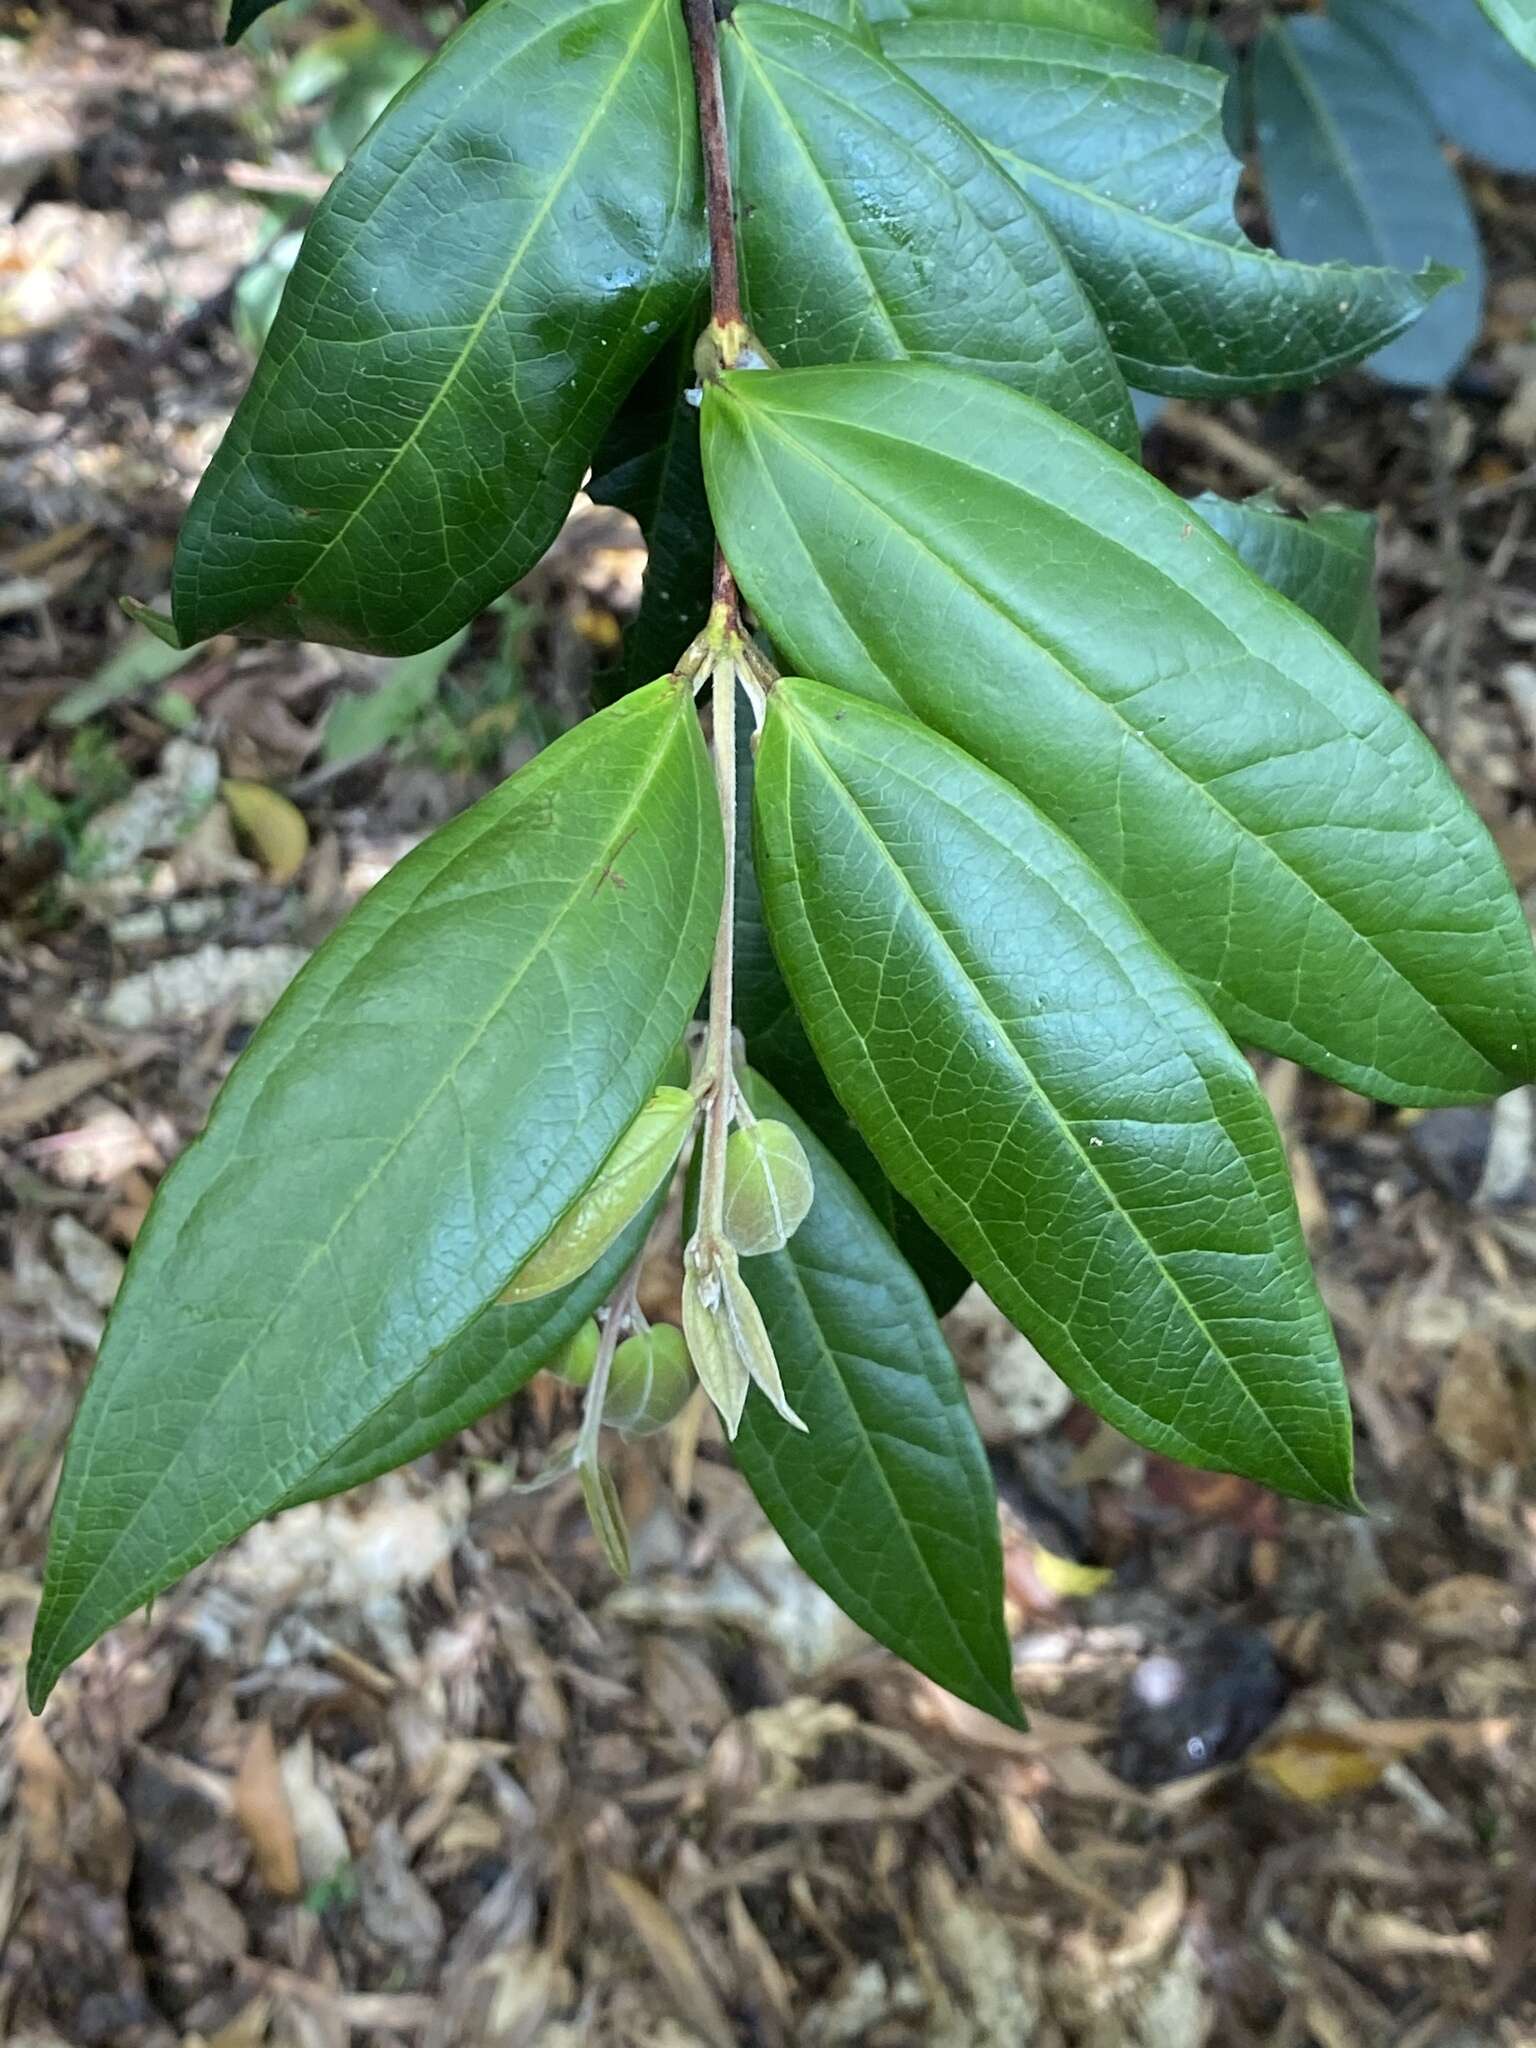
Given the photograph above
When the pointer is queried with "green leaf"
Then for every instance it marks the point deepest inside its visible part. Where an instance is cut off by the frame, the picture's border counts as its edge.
(357, 725)
(1325, 562)
(486, 1363)
(863, 205)
(1353, 170)
(1197, 39)
(1515, 20)
(475, 294)
(440, 1082)
(1040, 1082)
(933, 541)
(648, 465)
(144, 659)
(243, 14)
(159, 624)
(778, 1047)
(1480, 92)
(1132, 23)
(1123, 151)
(851, 16)
(887, 1500)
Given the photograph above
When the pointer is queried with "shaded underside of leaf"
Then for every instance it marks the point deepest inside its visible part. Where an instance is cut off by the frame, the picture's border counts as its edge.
(930, 540)
(1481, 93)
(1353, 171)
(1124, 152)
(1325, 562)
(874, 226)
(886, 1499)
(474, 295)
(441, 1081)
(1042, 1085)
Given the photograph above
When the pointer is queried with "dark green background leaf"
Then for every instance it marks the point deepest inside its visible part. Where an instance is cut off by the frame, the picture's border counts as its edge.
(886, 1499)
(933, 541)
(1326, 562)
(242, 14)
(648, 465)
(873, 225)
(1038, 1080)
(440, 1082)
(1353, 170)
(474, 296)
(1124, 153)
(1481, 93)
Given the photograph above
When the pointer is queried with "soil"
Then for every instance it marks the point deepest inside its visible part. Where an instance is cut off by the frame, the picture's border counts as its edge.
(409, 1769)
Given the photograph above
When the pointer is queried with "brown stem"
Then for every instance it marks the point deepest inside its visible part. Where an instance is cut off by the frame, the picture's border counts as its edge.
(720, 208)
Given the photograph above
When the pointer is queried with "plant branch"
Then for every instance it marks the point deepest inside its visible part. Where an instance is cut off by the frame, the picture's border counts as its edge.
(722, 642)
(719, 201)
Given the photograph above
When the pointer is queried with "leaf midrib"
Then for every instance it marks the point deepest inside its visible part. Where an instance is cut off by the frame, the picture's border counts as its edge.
(983, 1009)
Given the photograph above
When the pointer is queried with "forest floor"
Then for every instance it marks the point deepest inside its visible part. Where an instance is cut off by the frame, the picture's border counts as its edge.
(409, 1769)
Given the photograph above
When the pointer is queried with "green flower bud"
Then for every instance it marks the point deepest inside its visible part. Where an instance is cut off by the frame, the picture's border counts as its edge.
(768, 1187)
(726, 1336)
(574, 1364)
(625, 1182)
(649, 1382)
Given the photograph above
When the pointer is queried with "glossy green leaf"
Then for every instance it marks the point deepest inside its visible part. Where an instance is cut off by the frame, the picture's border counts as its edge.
(874, 226)
(1325, 562)
(778, 1047)
(1516, 22)
(887, 1499)
(1353, 170)
(1123, 151)
(648, 465)
(442, 1079)
(1480, 92)
(474, 296)
(475, 1371)
(1040, 1082)
(931, 540)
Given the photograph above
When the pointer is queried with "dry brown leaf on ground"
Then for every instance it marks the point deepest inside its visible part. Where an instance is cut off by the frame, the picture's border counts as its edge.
(666, 1943)
(262, 1809)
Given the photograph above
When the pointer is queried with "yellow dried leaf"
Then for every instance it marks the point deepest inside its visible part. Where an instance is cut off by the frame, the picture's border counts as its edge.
(272, 827)
(1068, 1581)
(1314, 1765)
(263, 1811)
